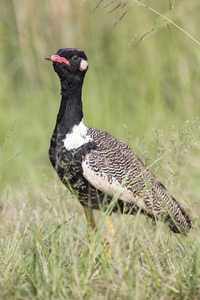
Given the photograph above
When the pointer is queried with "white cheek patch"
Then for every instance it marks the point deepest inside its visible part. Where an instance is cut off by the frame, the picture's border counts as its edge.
(77, 137)
(83, 65)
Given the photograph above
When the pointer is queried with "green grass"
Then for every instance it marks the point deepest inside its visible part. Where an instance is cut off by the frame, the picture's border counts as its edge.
(148, 96)
(148, 262)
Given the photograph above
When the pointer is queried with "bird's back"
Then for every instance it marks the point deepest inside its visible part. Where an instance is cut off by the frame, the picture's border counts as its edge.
(115, 169)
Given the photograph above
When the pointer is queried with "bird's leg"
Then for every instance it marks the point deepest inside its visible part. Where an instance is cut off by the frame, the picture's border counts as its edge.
(108, 238)
(91, 226)
(90, 218)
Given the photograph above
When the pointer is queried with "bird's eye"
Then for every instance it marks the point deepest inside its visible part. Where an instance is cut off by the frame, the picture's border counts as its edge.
(75, 57)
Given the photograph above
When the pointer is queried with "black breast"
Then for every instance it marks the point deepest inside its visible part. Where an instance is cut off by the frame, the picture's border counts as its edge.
(68, 165)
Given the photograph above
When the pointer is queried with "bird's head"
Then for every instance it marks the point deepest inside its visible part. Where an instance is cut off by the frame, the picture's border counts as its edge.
(69, 62)
(71, 65)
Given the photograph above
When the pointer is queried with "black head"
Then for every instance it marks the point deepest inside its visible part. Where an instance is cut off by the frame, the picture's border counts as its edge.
(68, 62)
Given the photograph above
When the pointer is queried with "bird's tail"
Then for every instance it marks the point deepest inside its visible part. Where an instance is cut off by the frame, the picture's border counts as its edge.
(174, 214)
(178, 220)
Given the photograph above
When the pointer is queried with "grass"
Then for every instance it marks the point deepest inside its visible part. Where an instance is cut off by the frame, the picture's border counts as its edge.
(145, 95)
(38, 262)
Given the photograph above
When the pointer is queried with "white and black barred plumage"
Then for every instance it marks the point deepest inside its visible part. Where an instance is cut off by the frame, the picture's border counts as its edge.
(103, 171)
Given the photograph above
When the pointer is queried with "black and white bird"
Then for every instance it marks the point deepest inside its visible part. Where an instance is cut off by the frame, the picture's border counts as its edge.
(103, 172)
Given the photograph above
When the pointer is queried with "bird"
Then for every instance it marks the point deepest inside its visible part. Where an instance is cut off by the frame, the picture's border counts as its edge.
(100, 170)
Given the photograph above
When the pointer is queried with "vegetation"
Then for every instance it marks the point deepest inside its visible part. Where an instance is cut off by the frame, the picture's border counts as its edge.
(147, 94)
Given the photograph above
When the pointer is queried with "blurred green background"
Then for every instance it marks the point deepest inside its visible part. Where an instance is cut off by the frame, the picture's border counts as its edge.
(148, 96)
(152, 85)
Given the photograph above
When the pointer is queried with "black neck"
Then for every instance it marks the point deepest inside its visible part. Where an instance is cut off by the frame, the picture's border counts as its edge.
(70, 112)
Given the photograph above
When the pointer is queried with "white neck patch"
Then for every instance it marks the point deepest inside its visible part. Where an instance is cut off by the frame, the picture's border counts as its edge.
(77, 137)
(83, 65)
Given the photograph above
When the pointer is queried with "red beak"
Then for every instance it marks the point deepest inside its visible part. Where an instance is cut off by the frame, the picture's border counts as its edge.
(57, 58)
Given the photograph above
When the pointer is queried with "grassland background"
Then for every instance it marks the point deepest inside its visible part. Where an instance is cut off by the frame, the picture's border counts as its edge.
(148, 96)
